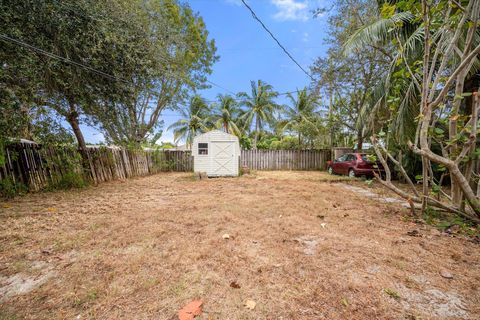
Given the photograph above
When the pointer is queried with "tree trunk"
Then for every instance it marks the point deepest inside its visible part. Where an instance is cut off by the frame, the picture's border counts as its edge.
(456, 192)
(359, 140)
(257, 129)
(72, 119)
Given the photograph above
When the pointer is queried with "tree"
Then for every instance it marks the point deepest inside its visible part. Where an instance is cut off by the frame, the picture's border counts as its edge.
(260, 107)
(41, 39)
(115, 64)
(301, 115)
(348, 78)
(167, 55)
(194, 120)
(226, 113)
(438, 55)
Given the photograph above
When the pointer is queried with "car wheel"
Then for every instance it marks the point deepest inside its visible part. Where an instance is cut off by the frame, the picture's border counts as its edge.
(330, 170)
(351, 173)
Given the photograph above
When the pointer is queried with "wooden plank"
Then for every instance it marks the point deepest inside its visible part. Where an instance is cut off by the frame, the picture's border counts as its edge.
(38, 167)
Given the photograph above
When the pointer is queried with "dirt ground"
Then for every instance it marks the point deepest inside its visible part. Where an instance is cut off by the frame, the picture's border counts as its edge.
(299, 246)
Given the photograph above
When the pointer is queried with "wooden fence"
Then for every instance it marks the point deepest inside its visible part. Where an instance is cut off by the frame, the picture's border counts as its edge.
(285, 159)
(37, 167)
(115, 163)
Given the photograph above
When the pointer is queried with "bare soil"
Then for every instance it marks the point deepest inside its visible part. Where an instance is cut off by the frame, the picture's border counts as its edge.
(300, 246)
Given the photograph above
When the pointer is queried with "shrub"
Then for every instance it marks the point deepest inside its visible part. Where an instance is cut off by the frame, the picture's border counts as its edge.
(70, 180)
(10, 188)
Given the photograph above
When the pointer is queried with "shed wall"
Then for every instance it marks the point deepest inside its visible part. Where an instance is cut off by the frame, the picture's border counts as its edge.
(205, 163)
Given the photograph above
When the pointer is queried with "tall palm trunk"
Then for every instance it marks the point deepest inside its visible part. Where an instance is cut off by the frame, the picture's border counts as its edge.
(257, 130)
(359, 140)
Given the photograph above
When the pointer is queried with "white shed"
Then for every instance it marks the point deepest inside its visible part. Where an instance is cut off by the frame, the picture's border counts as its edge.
(217, 153)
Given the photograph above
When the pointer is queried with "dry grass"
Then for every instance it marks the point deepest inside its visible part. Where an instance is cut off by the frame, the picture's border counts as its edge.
(145, 247)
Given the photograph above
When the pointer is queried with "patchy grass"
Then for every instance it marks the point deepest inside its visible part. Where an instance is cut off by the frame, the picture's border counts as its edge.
(392, 293)
(317, 176)
(300, 247)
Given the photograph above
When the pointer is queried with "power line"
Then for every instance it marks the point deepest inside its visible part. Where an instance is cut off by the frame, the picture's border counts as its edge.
(55, 56)
(219, 86)
(71, 9)
(87, 67)
(104, 74)
(276, 40)
(76, 12)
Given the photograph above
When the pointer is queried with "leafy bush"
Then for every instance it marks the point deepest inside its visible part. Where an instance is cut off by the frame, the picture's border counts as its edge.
(70, 180)
(10, 188)
(445, 221)
(286, 143)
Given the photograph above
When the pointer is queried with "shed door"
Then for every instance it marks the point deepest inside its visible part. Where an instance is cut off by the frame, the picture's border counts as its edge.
(223, 158)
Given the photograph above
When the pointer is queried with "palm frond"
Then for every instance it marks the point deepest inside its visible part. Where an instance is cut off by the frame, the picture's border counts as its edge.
(378, 32)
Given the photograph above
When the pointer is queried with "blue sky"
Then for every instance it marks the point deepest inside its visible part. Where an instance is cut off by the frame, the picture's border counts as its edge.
(248, 53)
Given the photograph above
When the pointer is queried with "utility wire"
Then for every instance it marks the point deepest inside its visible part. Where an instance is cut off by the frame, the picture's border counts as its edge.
(87, 67)
(219, 86)
(276, 40)
(76, 12)
(104, 74)
(54, 56)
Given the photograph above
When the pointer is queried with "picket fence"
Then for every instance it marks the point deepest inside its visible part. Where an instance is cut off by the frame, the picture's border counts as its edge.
(37, 167)
(285, 159)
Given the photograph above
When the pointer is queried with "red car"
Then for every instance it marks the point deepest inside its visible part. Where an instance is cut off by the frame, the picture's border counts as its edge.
(353, 165)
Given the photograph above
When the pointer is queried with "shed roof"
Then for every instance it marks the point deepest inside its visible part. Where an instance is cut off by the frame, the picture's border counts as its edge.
(216, 133)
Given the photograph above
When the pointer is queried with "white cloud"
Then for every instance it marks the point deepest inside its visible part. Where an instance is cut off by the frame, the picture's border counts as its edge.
(290, 10)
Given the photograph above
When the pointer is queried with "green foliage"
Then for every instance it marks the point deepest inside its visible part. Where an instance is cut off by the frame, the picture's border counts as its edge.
(387, 10)
(446, 221)
(66, 168)
(162, 45)
(369, 182)
(285, 143)
(260, 107)
(196, 119)
(226, 113)
(245, 142)
(168, 53)
(302, 117)
(167, 165)
(63, 164)
(166, 145)
(348, 77)
(70, 180)
(10, 188)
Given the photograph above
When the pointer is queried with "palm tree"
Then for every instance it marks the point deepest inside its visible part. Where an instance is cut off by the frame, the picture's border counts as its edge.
(226, 114)
(300, 113)
(411, 92)
(260, 106)
(402, 29)
(194, 120)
